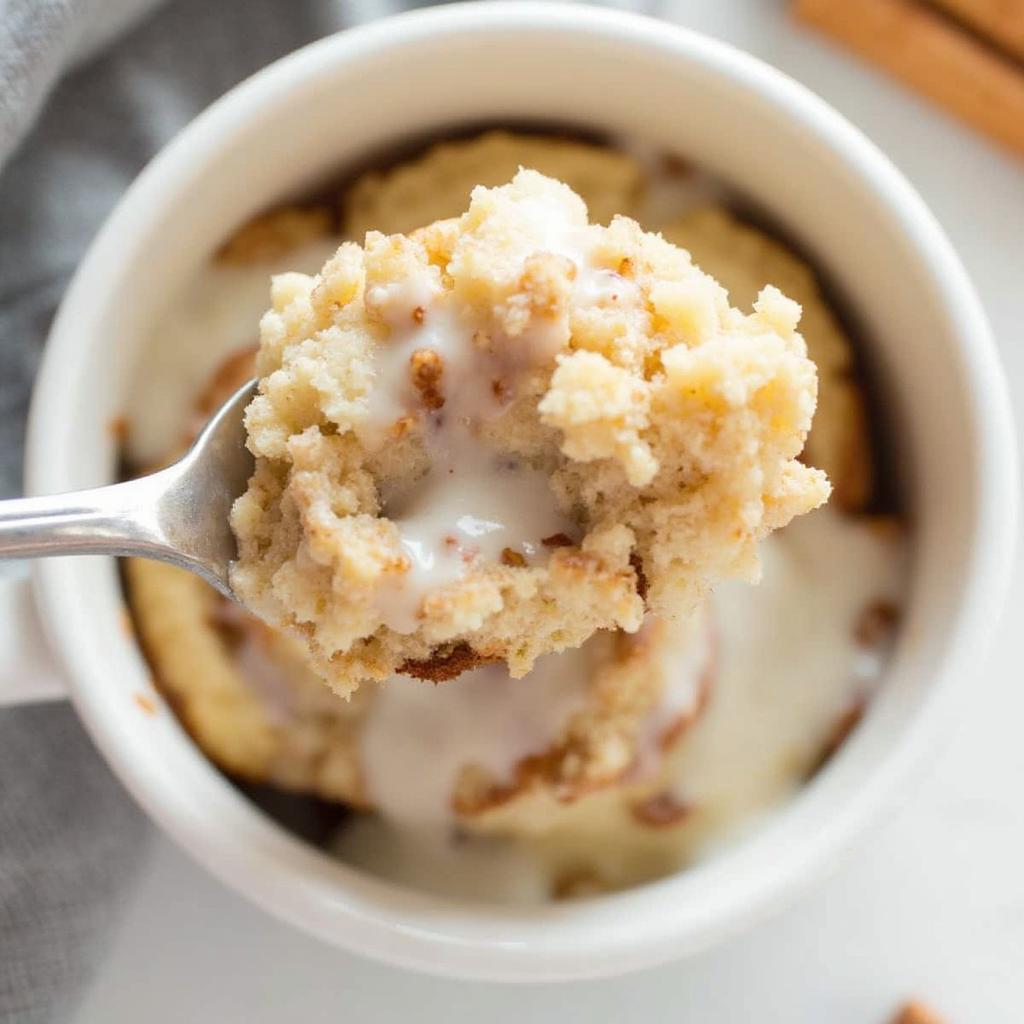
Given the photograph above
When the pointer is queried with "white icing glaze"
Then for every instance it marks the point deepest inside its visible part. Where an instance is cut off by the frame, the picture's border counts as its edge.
(789, 664)
(472, 504)
(602, 287)
(688, 665)
(393, 395)
(419, 736)
(268, 681)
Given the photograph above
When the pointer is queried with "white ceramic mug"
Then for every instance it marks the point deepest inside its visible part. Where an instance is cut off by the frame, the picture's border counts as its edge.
(289, 127)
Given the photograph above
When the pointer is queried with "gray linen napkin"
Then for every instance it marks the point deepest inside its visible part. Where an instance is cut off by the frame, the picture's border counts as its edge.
(69, 837)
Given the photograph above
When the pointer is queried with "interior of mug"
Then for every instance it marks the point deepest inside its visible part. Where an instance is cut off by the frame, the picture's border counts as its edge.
(311, 116)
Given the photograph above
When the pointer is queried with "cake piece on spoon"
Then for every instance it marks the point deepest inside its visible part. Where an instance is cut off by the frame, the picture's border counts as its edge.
(489, 439)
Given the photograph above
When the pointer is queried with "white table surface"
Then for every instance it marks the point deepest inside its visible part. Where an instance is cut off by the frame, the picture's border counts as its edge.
(931, 905)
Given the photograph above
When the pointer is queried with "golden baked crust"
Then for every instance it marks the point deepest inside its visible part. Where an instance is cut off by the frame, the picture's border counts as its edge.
(916, 1012)
(437, 185)
(744, 259)
(276, 233)
(666, 422)
(242, 691)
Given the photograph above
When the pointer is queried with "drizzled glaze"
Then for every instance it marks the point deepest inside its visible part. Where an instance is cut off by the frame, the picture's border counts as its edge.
(473, 504)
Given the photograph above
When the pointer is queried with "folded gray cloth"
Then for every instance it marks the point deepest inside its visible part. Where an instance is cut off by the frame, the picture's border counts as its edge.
(39, 39)
(69, 837)
(70, 841)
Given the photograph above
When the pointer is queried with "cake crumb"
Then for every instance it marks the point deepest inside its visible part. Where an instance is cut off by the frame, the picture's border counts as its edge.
(916, 1012)
(557, 540)
(442, 666)
(144, 702)
(118, 427)
(427, 370)
(876, 624)
(577, 885)
(663, 810)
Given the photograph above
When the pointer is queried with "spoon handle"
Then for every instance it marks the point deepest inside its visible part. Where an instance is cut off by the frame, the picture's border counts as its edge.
(110, 520)
(179, 515)
(150, 517)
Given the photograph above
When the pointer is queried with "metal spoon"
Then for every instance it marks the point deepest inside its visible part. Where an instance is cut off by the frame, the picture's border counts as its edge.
(177, 515)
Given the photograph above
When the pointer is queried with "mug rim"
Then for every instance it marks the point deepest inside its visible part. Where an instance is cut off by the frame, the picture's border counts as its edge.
(578, 947)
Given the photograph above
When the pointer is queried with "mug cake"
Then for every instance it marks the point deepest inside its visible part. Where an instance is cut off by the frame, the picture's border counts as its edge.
(630, 746)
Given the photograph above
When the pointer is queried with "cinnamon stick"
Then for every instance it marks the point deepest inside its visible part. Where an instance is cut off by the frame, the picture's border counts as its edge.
(924, 49)
(916, 1012)
(1002, 21)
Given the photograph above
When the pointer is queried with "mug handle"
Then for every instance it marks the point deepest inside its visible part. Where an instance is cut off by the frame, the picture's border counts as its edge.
(28, 669)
